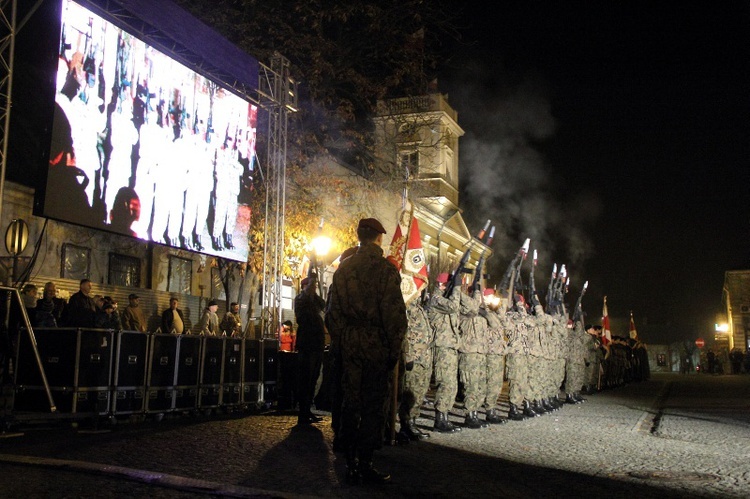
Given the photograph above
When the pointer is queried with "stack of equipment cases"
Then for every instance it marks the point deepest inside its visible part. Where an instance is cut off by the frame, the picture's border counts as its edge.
(251, 360)
(270, 372)
(129, 384)
(78, 367)
(232, 381)
(162, 373)
(212, 370)
(188, 372)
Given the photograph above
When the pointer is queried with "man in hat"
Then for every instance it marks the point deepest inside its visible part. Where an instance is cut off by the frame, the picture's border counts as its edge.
(366, 312)
(132, 317)
(443, 315)
(311, 331)
(209, 323)
(231, 323)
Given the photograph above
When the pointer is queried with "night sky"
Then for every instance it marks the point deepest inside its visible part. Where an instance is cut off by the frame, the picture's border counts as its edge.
(616, 136)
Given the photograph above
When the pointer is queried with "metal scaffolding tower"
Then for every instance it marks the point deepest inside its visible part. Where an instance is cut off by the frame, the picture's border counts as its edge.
(279, 96)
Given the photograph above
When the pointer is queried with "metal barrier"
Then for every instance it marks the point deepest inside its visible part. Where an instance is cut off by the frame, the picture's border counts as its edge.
(101, 372)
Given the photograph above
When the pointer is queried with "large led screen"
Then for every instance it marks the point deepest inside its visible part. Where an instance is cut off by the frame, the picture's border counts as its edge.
(145, 147)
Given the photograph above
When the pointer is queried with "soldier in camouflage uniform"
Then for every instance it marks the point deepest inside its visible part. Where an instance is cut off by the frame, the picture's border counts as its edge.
(543, 356)
(575, 368)
(495, 360)
(366, 311)
(443, 315)
(594, 357)
(418, 363)
(519, 348)
(472, 356)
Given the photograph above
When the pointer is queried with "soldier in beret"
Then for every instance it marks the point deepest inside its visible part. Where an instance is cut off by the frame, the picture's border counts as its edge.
(366, 312)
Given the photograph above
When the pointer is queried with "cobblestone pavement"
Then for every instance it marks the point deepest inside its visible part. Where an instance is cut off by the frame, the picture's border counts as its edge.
(673, 436)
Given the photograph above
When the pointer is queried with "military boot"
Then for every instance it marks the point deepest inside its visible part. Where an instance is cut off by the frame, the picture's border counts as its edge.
(417, 431)
(443, 425)
(352, 467)
(537, 407)
(578, 397)
(472, 421)
(493, 417)
(407, 431)
(367, 473)
(514, 414)
(547, 406)
(528, 411)
(570, 399)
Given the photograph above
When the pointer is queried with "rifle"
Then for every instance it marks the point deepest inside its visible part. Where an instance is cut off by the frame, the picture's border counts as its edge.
(513, 269)
(523, 252)
(455, 279)
(551, 290)
(532, 284)
(475, 285)
(578, 314)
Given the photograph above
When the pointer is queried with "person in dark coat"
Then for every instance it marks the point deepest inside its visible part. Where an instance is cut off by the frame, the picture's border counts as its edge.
(310, 343)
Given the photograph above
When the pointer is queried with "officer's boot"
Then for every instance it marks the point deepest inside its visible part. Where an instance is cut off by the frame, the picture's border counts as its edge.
(472, 420)
(367, 473)
(560, 403)
(514, 414)
(493, 417)
(578, 397)
(443, 425)
(528, 411)
(352, 467)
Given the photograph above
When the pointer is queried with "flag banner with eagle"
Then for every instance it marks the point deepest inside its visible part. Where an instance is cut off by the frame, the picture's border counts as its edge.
(632, 332)
(407, 254)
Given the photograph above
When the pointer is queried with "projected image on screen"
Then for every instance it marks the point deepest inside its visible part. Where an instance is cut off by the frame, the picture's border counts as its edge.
(143, 146)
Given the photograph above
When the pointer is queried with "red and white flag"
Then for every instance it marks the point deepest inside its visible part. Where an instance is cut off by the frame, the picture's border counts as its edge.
(633, 332)
(606, 332)
(407, 254)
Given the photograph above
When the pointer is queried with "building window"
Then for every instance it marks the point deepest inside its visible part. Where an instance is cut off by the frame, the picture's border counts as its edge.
(180, 277)
(124, 270)
(76, 262)
(410, 159)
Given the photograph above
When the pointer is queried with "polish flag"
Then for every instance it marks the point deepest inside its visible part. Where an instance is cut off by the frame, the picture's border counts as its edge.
(606, 333)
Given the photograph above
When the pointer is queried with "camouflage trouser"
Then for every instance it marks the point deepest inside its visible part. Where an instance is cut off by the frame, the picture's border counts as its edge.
(574, 375)
(416, 384)
(364, 383)
(518, 377)
(494, 371)
(473, 372)
(446, 380)
(592, 372)
(536, 373)
(559, 374)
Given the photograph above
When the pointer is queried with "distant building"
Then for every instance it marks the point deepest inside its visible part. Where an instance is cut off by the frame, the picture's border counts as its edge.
(736, 301)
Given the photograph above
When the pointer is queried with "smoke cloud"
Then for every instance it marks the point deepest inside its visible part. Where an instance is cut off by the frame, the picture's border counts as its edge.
(505, 176)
